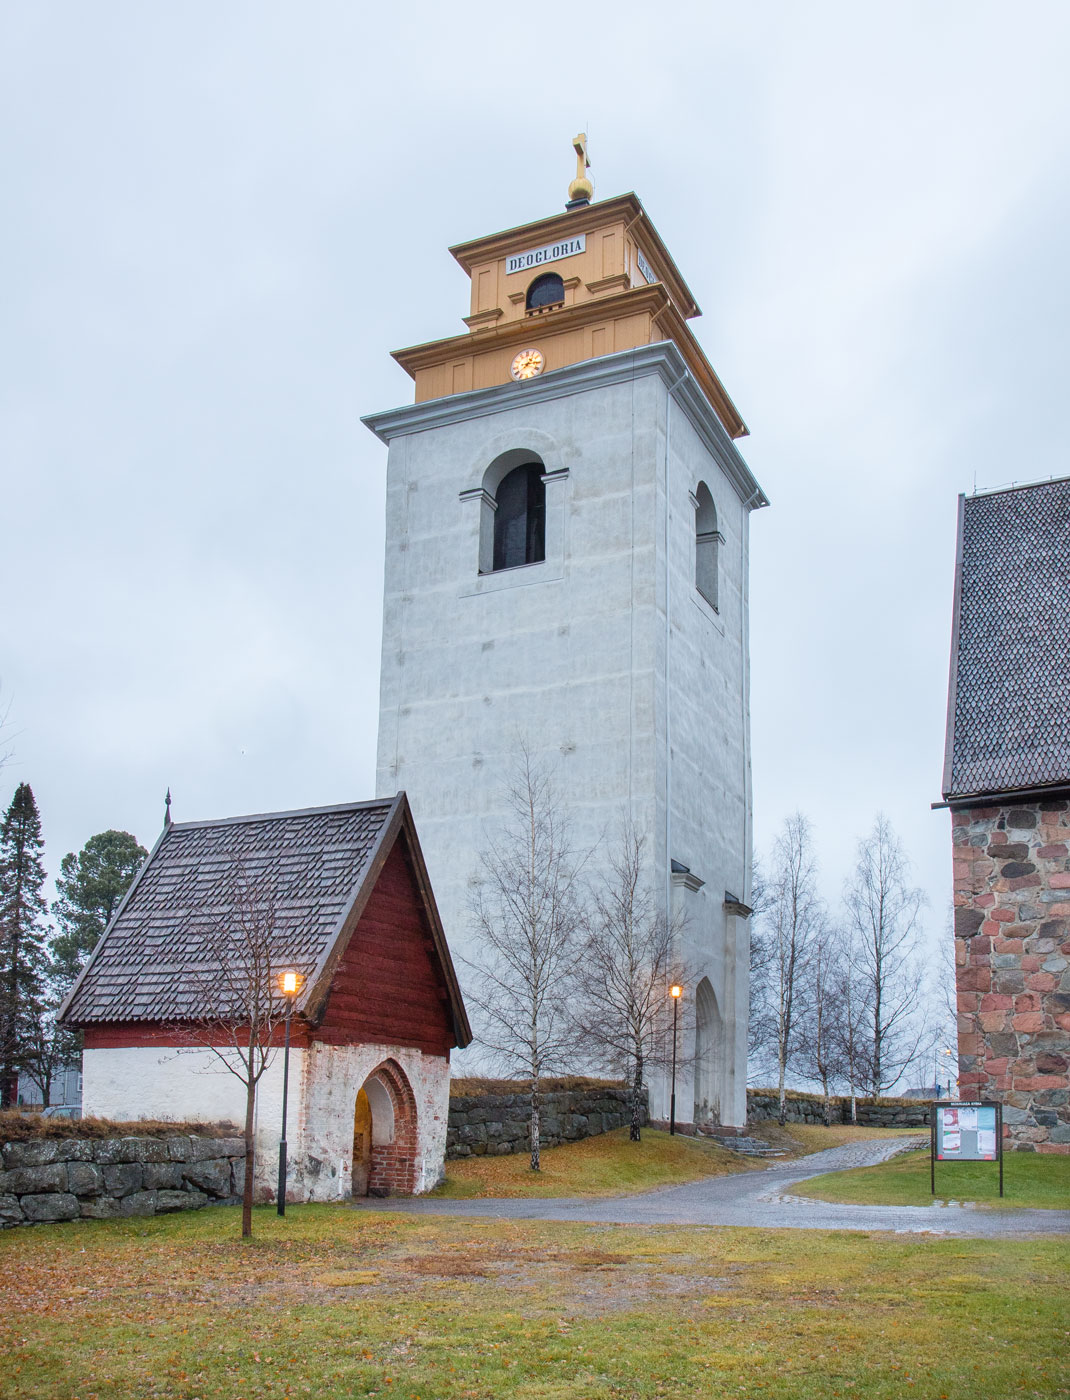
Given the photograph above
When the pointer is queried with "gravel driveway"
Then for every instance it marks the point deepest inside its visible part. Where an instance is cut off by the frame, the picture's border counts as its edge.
(762, 1199)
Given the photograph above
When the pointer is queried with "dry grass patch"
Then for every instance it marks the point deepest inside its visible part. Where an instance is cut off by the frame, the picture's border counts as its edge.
(17, 1126)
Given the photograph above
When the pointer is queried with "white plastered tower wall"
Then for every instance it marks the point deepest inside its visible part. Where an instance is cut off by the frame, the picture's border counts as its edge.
(191, 1085)
(603, 659)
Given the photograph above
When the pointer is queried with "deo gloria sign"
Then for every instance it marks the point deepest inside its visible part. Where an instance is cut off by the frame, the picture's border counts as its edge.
(549, 252)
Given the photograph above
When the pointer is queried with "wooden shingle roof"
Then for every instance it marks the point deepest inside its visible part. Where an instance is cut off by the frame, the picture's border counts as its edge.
(316, 866)
(1009, 701)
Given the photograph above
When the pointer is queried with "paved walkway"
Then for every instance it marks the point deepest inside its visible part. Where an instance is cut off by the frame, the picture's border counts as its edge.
(762, 1199)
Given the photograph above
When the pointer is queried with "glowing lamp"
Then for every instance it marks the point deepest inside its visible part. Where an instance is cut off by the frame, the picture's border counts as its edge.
(675, 990)
(289, 984)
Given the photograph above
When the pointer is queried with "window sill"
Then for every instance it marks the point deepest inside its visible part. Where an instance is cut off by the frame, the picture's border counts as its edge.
(546, 571)
(707, 609)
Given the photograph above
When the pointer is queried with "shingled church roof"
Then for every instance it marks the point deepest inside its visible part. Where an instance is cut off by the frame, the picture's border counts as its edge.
(317, 866)
(1009, 702)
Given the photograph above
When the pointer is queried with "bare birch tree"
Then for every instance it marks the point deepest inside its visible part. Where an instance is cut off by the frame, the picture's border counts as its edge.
(758, 955)
(526, 912)
(821, 1048)
(794, 919)
(238, 1000)
(884, 911)
(852, 1022)
(627, 956)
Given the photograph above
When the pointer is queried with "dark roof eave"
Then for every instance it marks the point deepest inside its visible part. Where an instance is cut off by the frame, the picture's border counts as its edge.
(998, 797)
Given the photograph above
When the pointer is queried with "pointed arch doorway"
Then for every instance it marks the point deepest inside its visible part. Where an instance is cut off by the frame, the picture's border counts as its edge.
(709, 1054)
(384, 1134)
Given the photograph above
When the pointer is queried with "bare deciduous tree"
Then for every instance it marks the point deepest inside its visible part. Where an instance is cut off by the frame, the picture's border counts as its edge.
(526, 911)
(795, 916)
(240, 1005)
(821, 1047)
(759, 954)
(627, 957)
(852, 1023)
(883, 911)
(48, 1048)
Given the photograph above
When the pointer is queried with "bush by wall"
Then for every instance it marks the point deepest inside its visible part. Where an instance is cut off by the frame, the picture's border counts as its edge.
(495, 1124)
(67, 1178)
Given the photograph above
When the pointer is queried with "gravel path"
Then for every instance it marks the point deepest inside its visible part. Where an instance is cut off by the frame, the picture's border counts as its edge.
(762, 1199)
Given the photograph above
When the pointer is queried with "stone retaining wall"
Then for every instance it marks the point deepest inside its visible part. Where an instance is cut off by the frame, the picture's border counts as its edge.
(97, 1179)
(763, 1105)
(494, 1125)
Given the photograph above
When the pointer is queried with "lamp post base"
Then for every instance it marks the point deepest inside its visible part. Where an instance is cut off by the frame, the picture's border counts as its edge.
(282, 1178)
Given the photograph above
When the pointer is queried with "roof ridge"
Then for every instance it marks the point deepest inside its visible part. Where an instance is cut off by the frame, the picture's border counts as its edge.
(985, 491)
(279, 816)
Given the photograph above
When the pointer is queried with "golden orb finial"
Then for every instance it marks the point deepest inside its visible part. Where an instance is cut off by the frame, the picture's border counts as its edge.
(581, 189)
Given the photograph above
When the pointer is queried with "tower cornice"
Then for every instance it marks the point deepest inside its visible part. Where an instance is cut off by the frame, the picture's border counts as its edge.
(663, 358)
(652, 303)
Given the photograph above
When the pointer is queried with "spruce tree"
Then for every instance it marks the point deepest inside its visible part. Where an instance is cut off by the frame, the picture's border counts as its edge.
(90, 886)
(23, 958)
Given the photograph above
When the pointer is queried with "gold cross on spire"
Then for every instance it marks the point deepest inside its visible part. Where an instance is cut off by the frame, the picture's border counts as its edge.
(581, 188)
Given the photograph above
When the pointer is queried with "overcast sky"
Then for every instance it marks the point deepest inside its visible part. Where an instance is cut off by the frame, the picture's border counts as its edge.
(219, 218)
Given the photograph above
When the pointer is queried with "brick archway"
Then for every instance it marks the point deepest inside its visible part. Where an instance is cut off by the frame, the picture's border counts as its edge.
(393, 1154)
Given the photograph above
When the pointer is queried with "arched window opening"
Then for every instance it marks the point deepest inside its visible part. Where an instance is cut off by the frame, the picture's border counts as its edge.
(707, 541)
(547, 290)
(520, 518)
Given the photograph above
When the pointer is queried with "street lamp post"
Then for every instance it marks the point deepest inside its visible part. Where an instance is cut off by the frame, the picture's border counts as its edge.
(289, 984)
(947, 1067)
(675, 992)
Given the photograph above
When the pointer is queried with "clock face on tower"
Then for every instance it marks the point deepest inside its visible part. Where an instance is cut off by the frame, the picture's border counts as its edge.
(527, 364)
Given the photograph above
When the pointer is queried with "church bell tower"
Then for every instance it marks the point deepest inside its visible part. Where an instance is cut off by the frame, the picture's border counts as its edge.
(566, 567)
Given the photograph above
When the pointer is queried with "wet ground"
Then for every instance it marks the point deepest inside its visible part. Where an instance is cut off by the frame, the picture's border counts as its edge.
(763, 1199)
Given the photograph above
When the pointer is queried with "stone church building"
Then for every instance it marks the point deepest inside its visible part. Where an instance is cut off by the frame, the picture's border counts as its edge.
(340, 897)
(1007, 782)
(567, 565)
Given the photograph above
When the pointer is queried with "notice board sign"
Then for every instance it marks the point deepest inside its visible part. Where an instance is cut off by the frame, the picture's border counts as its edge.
(966, 1132)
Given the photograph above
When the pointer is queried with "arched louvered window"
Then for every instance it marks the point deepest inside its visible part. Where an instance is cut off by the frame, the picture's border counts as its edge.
(520, 518)
(547, 290)
(707, 540)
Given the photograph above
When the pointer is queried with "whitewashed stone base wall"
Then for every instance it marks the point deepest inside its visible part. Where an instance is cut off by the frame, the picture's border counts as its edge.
(191, 1085)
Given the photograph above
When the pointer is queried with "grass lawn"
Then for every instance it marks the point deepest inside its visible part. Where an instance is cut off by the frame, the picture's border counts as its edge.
(1029, 1179)
(333, 1302)
(610, 1165)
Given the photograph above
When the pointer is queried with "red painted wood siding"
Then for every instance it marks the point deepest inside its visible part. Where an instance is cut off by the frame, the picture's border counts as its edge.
(116, 1035)
(388, 989)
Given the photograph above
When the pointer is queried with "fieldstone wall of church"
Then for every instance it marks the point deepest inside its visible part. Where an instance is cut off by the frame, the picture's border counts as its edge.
(495, 1125)
(1012, 958)
(105, 1178)
(763, 1105)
